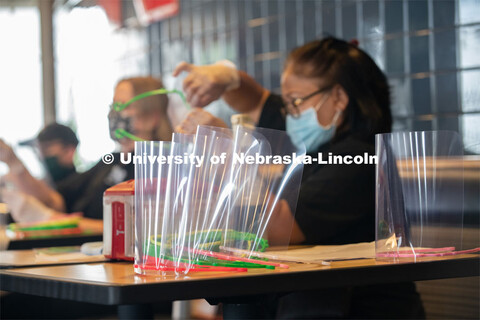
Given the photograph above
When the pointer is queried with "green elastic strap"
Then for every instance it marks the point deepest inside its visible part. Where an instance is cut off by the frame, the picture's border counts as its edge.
(122, 133)
(205, 260)
(214, 239)
(153, 251)
(117, 106)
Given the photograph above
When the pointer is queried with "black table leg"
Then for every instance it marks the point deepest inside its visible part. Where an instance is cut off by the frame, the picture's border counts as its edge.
(246, 311)
(135, 311)
(252, 307)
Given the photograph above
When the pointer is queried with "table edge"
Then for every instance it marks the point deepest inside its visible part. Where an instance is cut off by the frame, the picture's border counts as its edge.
(106, 293)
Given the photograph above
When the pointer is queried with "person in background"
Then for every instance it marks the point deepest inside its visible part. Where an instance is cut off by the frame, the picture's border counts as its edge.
(334, 98)
(56, 145)
(145, 119)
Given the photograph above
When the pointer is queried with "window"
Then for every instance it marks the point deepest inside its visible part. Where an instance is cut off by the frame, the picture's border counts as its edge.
(21, 81)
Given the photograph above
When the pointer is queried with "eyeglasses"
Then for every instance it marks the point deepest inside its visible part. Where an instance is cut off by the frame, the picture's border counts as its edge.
(292, 107)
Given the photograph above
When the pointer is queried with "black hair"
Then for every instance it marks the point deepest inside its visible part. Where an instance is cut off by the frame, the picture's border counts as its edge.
(58, 132)
(339, 62)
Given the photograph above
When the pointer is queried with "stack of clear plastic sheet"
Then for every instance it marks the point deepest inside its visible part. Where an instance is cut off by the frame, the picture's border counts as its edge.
(205, 202)
(419, 195)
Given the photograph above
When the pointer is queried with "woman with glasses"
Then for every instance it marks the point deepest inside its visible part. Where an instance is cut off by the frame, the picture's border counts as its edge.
(334, 99)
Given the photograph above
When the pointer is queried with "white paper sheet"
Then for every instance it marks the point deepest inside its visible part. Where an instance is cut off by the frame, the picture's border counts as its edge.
(319, 254)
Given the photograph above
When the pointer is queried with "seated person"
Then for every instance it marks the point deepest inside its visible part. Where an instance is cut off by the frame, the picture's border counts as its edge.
(334, 99)
(56, 146)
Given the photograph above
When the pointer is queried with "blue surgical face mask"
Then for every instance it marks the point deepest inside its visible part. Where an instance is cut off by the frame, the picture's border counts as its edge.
(306, 128)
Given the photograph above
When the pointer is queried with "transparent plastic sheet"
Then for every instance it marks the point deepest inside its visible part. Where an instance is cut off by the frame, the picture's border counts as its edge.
(262, 187)
(207, 196)
(161, 204)
(182, 144)
(191, 213)
(419, 194)
(150, 202)
(217, 203)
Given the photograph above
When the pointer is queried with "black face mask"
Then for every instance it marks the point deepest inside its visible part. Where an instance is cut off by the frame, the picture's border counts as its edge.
(118, 125)
(56, 170)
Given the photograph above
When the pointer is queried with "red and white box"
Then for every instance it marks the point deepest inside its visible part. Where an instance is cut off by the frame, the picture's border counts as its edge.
(119, 221)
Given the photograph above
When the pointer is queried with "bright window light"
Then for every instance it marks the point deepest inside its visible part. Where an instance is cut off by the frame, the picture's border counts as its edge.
(20, 82)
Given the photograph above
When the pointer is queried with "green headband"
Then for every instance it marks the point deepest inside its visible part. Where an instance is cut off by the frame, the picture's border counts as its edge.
(118, 106)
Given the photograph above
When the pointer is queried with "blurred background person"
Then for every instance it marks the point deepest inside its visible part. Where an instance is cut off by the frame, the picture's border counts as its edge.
(55, 145)
(146, 119)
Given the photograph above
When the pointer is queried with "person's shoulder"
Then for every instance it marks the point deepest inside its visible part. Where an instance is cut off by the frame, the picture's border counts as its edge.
(274, 100)
(87, 175)
(98, 167)
(271, 116)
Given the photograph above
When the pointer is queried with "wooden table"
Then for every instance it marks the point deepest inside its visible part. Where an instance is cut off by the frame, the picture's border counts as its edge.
(29, 258)
(112, 283)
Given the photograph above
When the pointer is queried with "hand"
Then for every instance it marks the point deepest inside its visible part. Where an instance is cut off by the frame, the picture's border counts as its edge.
(25, 208)
(205, 84)
(199, 117)
(8, 156)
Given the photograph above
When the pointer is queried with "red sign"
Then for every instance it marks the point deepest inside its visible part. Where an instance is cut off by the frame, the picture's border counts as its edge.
(113, 9)
(149, 11)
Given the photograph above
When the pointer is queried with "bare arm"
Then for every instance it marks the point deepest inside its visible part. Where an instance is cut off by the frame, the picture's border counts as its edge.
(205, 84)
(21, 177)
(282, 226)
(248, 96)
(25, 208)
(94, 225)
(26, 183)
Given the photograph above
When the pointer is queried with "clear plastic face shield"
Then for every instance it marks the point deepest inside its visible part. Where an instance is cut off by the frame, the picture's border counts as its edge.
(421, 181)
(209, 207)
(121, 127)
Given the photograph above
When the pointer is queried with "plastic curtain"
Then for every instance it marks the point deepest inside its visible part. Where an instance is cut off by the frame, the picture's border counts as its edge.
(419, 194)
(211, 192)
